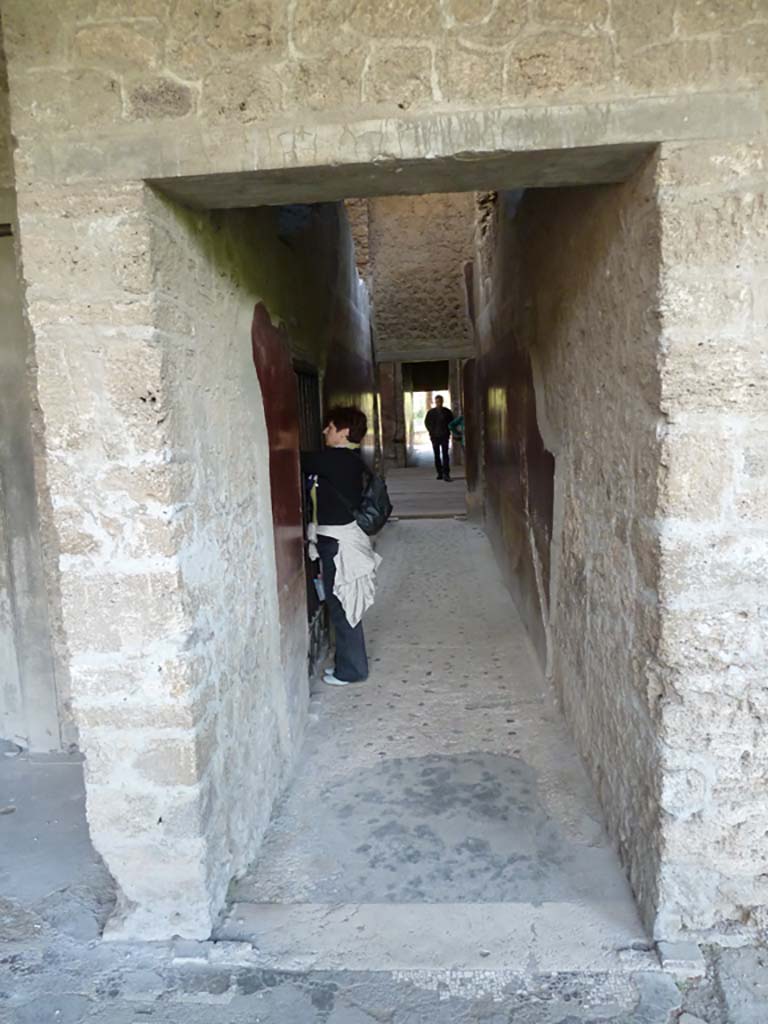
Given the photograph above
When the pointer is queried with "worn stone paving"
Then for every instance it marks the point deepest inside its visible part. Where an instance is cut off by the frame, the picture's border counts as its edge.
(449, 776)
(416, 493)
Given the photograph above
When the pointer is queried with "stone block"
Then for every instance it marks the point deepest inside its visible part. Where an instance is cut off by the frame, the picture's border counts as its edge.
(711, 373)
(710, 17)
(320, 28)
(55, 100)
(743, 979)
(712, 163)
(663, 66)
(252, 29)
(581, 14)
(683, 959)
(35, 33)
(189, 57)
(323, 83)
(725, 230)
(111, 258)
(154, 678)
(470, 76)
(548, 63)
(159, 98)
(118, 395)
(467, 12)
(684, 793)
(687, 492)
(399, 75)
(495, 32)
(710, 641)
(638, 25)
(751, 502)
(386, 19)
(169, 762)
(742, 56)
(712, 304)
(755, 456)
(704, 570)
(134, 46)
(240, 94)
(116, 612)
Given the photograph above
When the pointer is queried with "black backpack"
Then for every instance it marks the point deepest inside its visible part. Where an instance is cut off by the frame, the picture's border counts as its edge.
(375, 506)
(374, 509)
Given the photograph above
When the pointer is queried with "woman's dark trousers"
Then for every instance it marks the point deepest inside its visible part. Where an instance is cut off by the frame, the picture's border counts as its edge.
(351, 659)
(442, 458)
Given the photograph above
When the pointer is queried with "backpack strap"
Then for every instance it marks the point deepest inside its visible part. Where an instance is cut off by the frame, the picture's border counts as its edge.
(347, 504)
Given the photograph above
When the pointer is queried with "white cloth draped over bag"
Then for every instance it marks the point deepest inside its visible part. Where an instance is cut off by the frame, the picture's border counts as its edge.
(356, 564)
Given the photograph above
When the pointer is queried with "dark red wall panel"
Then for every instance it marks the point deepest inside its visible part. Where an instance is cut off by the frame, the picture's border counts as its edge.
(274, 367)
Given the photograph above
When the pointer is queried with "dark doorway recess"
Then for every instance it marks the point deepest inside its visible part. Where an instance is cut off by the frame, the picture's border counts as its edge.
(428, 376)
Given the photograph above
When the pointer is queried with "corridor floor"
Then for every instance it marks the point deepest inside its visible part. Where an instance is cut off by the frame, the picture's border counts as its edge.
(417, 494)
(440, 810)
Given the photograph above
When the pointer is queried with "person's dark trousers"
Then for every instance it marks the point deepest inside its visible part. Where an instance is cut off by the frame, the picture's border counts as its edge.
(442, 459)
(351, 659)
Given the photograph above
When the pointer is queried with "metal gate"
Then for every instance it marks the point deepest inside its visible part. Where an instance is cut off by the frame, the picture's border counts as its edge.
(310, 439)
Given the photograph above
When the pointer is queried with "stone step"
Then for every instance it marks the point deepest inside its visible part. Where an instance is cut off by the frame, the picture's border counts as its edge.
(516, 938)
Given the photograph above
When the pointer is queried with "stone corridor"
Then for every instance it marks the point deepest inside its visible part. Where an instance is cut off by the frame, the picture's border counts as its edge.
(448, 779)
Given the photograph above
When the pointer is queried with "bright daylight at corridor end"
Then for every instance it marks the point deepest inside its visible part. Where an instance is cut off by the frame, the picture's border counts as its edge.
(383, 512)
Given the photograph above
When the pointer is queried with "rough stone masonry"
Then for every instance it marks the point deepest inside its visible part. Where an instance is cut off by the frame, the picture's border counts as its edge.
(235, 104)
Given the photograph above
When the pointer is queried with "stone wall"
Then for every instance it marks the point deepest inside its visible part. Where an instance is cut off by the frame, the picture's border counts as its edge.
(358, 214)
(157, 460)
(34, 712)
(124, 89)
(568, 356)
(418, 246)
(713, 536)
(6, 153)
(637, 337)
(35, 709)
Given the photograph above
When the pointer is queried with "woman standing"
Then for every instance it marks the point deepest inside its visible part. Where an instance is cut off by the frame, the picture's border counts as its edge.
(348, 560)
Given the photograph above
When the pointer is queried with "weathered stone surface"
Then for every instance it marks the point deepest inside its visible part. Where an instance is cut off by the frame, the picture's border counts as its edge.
(56, 100)
(589, 397)
(135, 46)
(388, 18)
(245, 97)
(399, 75)
(255, 29)
(538, 65)
(309, 84)
(160, 98)
(742, 55)
(581, 14)
(687, 492)
(709, 17)
(321, 31)
(497, 30)
(464, 12)
(469, 75)
(658, 67)
(418, 249)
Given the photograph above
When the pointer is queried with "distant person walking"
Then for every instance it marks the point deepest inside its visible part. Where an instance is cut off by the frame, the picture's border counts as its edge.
(437, 422)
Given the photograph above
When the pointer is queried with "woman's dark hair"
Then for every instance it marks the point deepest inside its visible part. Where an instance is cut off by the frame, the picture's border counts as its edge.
(348, 416)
